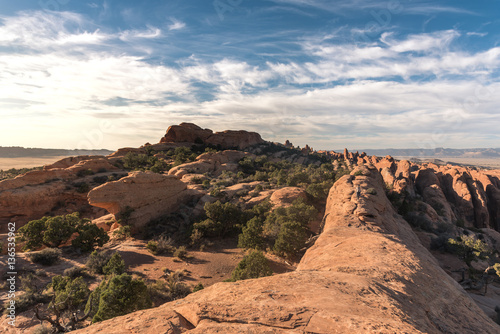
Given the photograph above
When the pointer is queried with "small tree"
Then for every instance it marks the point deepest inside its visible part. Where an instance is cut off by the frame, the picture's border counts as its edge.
(68, 300)
(120, 295)
(291, 239)
(115, 265)
(253, 265)
(54, 231)
(97, 260)
(469, 248)
(251, 237)
(89, 237)
(222, 219)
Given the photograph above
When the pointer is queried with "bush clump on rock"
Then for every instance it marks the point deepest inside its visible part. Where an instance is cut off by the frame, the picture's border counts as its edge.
(46, 257)
(253, 265)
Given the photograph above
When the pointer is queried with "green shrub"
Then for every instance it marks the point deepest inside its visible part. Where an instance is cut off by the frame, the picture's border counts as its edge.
(496, 266)
(120, 295)
(319, 191)
(54, 231)
(222, 220)
(251, 236)
(74, 272)
(198, 287)
(123, 232)
(469, 248)
(69, 294)
(253, 265)
(115, 265)
(46, 257)
(82, 187)
(97, 260)
(180, 252)
(299, 212)
(371, 191)
(85, 172)
(176, 289)
(165, 245)
(291, 239)
(152, 246)
(89, 237)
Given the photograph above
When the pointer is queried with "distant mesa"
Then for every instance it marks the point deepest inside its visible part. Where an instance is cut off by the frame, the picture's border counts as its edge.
(229, 139)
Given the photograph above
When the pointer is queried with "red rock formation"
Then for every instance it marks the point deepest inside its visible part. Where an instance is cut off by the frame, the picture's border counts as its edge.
(235, 139)
(212, 162)
(186, 133)
(285, 196)
(148, 195)
(367, 273)
(192, 133)
(71, 161)
(38, 193)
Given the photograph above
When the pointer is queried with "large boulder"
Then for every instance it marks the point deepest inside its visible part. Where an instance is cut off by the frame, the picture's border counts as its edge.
(284, 197)
(366, 273)
(186, 133)
(142, 195)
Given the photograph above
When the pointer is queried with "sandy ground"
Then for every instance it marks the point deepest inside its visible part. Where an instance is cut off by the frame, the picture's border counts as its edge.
(8, 163)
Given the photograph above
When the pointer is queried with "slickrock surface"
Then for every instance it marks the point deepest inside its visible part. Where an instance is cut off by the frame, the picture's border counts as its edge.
(367, 273)
(147, 194)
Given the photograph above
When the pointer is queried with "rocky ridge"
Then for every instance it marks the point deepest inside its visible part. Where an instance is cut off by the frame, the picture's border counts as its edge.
(366, 273)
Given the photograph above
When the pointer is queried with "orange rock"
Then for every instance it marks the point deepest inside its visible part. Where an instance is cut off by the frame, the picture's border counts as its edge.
(186, 132)
(148, 195)
(285, 196)
(366, 273)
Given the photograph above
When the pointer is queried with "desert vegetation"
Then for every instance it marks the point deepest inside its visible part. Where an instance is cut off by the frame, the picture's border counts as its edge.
(261, 205)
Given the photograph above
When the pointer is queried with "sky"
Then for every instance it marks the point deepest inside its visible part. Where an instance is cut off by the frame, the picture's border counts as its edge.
(78, 74)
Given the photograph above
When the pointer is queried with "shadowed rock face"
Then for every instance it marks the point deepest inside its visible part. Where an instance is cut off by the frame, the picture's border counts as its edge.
(455, 193)
(367, 273)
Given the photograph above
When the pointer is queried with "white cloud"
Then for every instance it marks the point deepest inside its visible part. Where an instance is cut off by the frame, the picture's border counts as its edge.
(423, 42)
(352, 96)
(150, 33)
(176, 25)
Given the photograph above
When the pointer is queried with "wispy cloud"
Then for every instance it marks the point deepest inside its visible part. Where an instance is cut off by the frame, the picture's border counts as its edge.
(68, 73)
(176, 25)
(151, 32)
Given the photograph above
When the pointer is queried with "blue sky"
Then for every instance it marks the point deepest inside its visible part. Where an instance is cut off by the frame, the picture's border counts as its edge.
(331, 74)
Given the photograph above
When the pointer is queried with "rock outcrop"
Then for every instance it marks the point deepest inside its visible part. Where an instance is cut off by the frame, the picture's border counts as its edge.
(141, 197)
(284, 197)
(366, 273)
(192, 133)
(214, 163)
(50, 191)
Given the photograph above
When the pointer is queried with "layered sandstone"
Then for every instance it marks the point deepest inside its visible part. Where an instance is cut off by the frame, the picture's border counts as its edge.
(44, 192)
(367, 273)
(141, 197)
